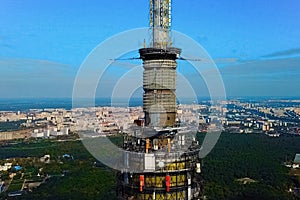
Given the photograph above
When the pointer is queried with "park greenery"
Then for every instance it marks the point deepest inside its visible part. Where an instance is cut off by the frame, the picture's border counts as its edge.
(11, 126)
(236, 157)
(258, 157)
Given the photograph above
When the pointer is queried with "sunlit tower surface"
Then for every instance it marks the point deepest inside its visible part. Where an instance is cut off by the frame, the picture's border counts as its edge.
(161, 159)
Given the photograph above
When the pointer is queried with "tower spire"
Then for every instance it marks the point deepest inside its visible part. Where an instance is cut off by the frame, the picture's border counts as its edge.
(160, 23)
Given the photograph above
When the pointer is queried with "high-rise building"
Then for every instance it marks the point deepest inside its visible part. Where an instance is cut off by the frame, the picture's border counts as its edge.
(161, 159)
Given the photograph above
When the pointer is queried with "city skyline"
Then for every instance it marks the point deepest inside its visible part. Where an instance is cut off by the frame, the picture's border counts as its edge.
(43, 44)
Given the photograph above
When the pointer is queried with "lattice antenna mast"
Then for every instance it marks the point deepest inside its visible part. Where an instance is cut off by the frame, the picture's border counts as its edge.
(160, 23)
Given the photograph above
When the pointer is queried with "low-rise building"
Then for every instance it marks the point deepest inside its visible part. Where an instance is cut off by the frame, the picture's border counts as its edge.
(5, 167)
(296, 163)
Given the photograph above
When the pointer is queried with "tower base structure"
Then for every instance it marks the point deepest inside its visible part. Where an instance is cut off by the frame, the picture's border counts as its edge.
(169, 168)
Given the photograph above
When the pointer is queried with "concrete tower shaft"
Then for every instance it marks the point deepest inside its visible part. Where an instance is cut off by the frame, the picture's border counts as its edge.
(159, 84)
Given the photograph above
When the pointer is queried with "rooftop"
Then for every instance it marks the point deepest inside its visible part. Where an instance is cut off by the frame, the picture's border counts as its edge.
(297, 158)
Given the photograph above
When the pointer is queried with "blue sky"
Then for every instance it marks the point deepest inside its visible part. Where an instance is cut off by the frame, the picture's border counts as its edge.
(43, 43)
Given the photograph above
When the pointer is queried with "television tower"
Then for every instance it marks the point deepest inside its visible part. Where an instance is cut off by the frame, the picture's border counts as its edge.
(161, 159)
